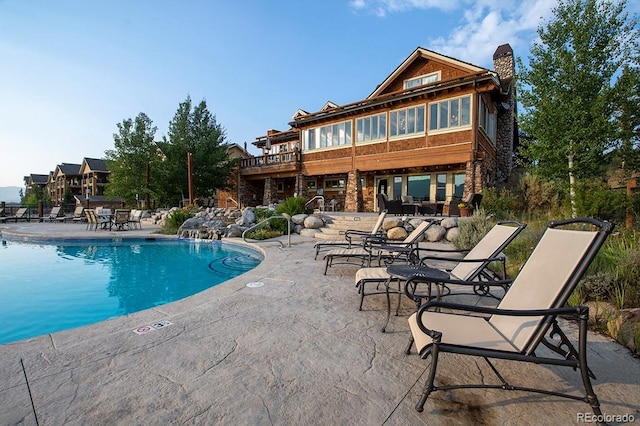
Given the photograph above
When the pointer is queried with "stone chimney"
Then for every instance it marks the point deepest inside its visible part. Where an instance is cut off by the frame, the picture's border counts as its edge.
(507, 135)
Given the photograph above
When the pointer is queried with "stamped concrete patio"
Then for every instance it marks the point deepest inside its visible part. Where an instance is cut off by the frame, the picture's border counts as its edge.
(294, 351)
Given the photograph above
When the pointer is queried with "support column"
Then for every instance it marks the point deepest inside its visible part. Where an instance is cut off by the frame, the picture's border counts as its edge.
(353, 201)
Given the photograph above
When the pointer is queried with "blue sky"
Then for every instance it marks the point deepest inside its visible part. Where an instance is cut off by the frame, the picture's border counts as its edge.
(72, 69)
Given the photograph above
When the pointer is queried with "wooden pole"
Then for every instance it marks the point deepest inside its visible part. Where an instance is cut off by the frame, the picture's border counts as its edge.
(189, 171)
(631, 188)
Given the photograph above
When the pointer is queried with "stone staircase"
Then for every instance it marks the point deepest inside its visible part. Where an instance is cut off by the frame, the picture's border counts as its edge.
(340, 223)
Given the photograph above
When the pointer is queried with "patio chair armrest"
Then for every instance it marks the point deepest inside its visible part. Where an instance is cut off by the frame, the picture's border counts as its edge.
(565, 310)
(453, 259)
(418, 279)
(437, 250)
(364, 234)
(582, 312)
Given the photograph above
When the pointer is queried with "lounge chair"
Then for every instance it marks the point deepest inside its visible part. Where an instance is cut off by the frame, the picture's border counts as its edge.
(472, 267)
(349, 234)
(516, 328)
(21, 214)
(54, 215)
(78, 214)
(384, 251)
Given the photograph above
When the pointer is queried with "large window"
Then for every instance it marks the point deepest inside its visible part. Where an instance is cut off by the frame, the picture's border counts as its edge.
(327, 136)
(419, 187)
(450, 114)
(421, 80)
(487, 120)
(397, 186)
(458, 185)
(371, 128)
(406, 121)
(441, 187)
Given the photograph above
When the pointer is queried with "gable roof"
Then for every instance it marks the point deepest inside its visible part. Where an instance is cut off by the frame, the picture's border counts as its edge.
(419, 53)
(68, 169)
(95, 164)
(38, 179)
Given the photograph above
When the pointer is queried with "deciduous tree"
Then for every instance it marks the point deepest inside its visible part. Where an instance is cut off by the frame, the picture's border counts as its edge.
(568, 88)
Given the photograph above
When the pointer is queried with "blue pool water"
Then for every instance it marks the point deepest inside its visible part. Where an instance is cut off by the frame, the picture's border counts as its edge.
(51, 287)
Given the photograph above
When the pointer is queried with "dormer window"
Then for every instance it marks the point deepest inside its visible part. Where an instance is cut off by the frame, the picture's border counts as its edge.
(422, 80)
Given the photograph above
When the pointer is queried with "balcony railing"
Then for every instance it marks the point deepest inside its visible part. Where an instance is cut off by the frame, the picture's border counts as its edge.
(271, 159)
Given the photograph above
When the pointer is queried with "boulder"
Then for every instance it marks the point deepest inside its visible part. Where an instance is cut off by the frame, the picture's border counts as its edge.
(248, 217)
(391, 223)
(435, 233)
(299, 218)
(309, 232)
(449, 222)
(452, 233)
(397, 233)
(235, 230)
(312, 222)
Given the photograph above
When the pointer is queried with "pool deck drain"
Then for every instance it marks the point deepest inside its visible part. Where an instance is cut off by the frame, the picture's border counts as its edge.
(297, 351)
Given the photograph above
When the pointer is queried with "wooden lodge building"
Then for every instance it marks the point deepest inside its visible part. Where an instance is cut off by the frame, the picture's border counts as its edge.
(437, 128)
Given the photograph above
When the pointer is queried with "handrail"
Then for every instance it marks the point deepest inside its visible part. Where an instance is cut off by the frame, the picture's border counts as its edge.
(227, 202)
(282, 216)
(317, 197)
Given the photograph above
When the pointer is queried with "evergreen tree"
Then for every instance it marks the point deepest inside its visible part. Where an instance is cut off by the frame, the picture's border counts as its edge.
(195, 130)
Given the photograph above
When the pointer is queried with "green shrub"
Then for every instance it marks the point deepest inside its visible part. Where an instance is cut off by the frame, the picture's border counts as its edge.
(177, 218)
(293, 206)
(597, 200)
(502, 202)
(472, 229)
(538, 194)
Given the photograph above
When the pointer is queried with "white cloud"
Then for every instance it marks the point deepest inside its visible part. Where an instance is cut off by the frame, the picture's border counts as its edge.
(483, 25)
(383, 7)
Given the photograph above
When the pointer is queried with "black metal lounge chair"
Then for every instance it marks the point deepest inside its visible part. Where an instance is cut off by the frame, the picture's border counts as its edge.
(350, 236)
(516, 328)
(473, 267)
(374, 247)
(21, 214)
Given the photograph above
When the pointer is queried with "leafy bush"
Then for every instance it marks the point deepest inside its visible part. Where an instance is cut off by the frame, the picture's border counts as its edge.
(597, 200)
(502, 202)
(293, 206)
(538, 194)
(472, 229)
(177, 218)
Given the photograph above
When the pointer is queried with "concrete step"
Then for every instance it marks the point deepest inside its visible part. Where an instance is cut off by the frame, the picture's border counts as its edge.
(339, 224)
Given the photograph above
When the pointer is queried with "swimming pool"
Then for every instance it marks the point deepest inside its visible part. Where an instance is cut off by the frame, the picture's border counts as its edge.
(49, 287)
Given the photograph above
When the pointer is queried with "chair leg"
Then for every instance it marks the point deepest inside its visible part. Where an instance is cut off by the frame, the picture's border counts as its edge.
(428, 387)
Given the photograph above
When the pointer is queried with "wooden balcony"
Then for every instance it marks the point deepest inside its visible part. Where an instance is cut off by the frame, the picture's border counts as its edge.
(284, 163)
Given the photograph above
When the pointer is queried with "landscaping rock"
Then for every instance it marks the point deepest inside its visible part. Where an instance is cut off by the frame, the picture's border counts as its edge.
(309, 232)
(391, 223)
(449, 222)
(452, 233)
(313, 222)
(299, 218)
(248, 217)
(397, 233)
(435, 233)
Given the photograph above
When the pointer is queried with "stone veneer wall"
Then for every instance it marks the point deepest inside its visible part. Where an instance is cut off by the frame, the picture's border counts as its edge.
(506, 120)
(270, 191)
(353, 198)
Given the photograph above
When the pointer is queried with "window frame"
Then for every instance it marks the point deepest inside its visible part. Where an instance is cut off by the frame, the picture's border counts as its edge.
(396, 122)
(443, 118)
(329, 136)
(422, 80)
